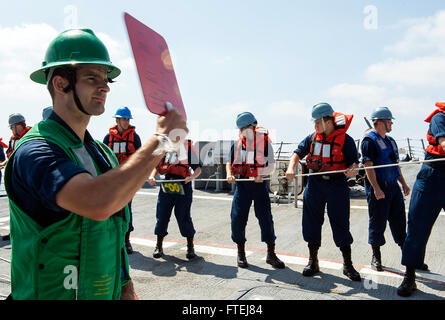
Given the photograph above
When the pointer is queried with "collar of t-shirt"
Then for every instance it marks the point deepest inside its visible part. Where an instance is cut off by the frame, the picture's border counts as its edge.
(89, 143)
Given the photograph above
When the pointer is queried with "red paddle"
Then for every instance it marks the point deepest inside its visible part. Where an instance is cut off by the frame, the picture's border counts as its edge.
(155, 68)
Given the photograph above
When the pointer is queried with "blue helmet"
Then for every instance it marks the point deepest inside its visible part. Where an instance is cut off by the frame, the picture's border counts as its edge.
(244, 119)
(381, 113)
(321, 110)
(16, 118)
(46, 112)
(123, 112)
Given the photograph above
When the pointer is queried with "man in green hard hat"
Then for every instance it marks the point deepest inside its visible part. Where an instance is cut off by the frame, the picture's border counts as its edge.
(68, 220)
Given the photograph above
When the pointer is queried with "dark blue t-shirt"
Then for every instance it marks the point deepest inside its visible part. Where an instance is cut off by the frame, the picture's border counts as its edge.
(437, 130)
(349, 149)
(39, 171)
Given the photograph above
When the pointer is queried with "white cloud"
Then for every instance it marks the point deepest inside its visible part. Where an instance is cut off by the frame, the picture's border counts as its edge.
(31, 40)
(232, 109)
(22, 52)
(363, 94)
(289, 108)
(364, 98)
(422, 37)
(405, 81)
(418, 59)
(422, 71)
(120, 53)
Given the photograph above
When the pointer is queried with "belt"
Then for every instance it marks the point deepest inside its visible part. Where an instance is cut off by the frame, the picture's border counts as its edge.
(174, 177)
(331, 177)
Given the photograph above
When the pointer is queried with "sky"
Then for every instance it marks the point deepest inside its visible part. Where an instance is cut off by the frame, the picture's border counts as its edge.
(275, 59)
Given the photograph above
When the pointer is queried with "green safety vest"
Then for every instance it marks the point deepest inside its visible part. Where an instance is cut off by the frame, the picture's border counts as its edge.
(76, 258)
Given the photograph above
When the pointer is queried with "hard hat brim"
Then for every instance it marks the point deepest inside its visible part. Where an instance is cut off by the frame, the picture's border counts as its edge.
(123, 117)
(392, 118)
(39, 75)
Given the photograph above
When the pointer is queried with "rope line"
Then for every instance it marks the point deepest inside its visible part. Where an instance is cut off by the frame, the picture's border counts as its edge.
(319, 173)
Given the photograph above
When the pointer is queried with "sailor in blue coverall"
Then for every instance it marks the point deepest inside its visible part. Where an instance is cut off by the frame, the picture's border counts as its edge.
(426, 202)
(384, 196)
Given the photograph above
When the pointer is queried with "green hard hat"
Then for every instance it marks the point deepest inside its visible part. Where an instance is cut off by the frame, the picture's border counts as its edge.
(74, 47)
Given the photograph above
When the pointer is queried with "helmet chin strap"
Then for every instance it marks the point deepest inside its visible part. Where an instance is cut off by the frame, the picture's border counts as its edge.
(79, 104)
(119, 124)
(323, 123)
(72, 86)
(386, 126)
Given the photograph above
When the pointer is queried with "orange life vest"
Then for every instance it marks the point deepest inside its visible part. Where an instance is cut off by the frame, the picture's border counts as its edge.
(326, 152)
(14, 139)
(250, 155)
(434, 147)
(2, 144)
(171, 165)
(122, 145)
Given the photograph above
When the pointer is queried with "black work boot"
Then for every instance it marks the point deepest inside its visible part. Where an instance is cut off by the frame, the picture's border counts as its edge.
(158, 250)
(376, 261)
(312, 266)
(348, 268)
(272, 258)
(242, 261)
(190, 249)
(128, 246)
(408, 285)
(424, 266)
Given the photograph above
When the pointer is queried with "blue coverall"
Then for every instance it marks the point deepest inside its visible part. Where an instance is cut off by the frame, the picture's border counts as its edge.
(182, 205)
(426, 201)
(382, 151)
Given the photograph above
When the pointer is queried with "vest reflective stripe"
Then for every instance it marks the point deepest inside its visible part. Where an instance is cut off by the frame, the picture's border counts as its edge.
(44, 259)
(340, 120)
(386, 155)
(85, 159)
(119, 147)
(322, 149)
